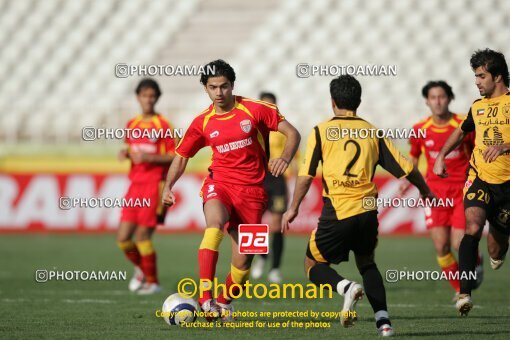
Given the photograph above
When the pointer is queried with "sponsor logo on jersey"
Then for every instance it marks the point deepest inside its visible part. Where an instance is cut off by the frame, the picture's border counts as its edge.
(214, 134)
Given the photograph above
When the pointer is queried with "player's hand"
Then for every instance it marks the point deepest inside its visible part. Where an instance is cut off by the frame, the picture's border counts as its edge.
(492, 152)
(404, 186)
(122, 155)
(288, 218)
(168, 197)
(440, 168)
(277, 166)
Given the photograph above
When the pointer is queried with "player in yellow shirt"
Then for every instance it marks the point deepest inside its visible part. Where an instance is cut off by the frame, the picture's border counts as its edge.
(487, 189)
(349, 216)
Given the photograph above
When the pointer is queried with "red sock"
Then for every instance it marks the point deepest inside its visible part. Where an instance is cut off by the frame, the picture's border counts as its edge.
(226, 297)
(453, 268)
(207, 260)
(133, 255)
(148, 266)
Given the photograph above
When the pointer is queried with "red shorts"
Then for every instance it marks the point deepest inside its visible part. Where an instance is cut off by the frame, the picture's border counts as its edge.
(146, 216)
(245, 204)
(447, 217)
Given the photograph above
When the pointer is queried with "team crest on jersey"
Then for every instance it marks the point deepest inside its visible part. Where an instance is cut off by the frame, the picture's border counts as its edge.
(246, 125)
(468, 184)
(506, 110)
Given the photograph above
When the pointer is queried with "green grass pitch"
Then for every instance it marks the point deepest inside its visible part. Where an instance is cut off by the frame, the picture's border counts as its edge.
(76, 309)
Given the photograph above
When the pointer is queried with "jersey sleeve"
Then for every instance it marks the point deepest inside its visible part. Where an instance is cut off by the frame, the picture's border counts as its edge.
(270, 116)
(313, 154)
(392, 160)
(415, 144)
(468, 125)
(192, 141)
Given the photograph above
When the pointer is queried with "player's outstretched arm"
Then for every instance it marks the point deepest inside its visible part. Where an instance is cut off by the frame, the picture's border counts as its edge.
(451, 143)
(302, 186)
(404, 186)
(416, 178)
(174, 173)
(278, 166)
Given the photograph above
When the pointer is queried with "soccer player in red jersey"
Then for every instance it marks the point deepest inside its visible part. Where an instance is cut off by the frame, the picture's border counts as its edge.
(237, 130)
(446, 224)
(150, 155)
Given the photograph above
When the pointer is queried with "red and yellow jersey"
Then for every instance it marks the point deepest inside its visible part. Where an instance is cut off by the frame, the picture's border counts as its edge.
(146, 172)
(239, 140)
(489, 118)
(435, 137)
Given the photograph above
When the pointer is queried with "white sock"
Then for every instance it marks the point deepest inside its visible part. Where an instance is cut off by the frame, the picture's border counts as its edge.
(382, 314)
(340, 287)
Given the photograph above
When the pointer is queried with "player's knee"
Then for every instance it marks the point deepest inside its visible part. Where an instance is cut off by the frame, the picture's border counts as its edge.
(143, 234)
(443, 249)
(212, 239)
(474, 229)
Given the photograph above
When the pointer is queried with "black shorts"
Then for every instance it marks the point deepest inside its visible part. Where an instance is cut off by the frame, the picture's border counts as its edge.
(332, 241)
(276, 189)
(494, 199)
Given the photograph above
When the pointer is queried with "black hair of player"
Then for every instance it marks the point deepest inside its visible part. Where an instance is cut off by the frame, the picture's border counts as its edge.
(437, 83)
(268, 95)
(493, 61)
(346, 92)
(219, 68)
(148, 83)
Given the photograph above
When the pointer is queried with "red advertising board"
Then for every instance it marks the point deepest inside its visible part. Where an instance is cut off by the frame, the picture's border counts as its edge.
(30, 203)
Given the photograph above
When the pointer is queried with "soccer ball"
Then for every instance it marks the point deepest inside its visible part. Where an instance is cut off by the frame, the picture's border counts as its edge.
(177, 309)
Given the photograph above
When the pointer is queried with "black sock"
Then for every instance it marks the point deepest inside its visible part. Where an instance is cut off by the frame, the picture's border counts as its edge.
(264, 256)
(382, 321)
(277, 249)
(323, 274)
(468, 253)
(374, 288)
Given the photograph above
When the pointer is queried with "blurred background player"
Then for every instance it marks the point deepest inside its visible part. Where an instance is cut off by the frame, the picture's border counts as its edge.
(150, 159)
(487, 189)
(237, 129)
(276, 188)
(347, 221)
(446, 224)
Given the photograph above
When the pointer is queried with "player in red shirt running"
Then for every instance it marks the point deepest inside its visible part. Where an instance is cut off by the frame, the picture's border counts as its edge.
(446, 225)
(151, 152)
(237, 130)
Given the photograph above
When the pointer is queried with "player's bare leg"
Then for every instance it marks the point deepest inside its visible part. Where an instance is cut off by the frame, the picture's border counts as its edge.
(236, 278)
(143, 237)
(216, 216)
(125, 242)
(322, 274)
(445, 258)
(468, 249)
(497, 245)
(376, 294)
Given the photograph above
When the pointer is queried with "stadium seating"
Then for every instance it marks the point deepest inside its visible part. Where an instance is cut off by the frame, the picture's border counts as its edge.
(59, 64)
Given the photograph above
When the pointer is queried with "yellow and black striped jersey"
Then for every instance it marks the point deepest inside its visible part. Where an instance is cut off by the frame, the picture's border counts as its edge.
(348, 164)
(490, 119)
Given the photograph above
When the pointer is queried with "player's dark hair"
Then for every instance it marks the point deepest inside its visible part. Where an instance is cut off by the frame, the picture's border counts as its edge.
(346, 92)
(218, 68)
(268, 95)
(493, 61)
(437, 83)
(148, 83)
